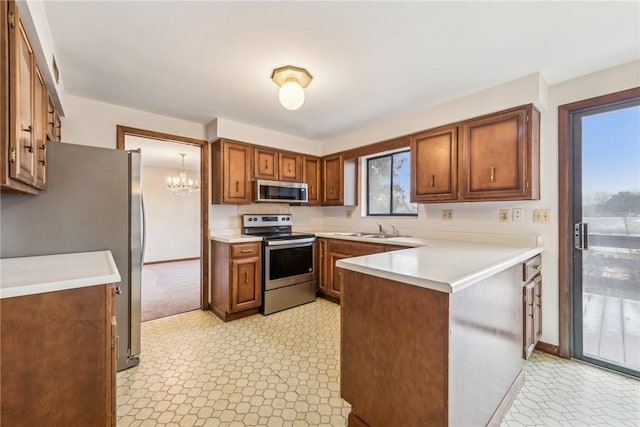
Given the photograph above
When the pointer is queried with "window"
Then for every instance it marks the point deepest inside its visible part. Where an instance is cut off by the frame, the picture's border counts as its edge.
(388, 185)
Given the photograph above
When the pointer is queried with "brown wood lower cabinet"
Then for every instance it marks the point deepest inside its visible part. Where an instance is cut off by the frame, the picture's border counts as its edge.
(58, 353)
(412, 356)
(331, 250)
(236, 280)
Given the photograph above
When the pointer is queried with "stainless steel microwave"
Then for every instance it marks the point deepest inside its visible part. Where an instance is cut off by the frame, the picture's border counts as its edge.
(281, 191)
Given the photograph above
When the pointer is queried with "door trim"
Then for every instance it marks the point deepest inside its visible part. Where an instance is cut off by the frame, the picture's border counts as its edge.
(565, 209)
(122, 131)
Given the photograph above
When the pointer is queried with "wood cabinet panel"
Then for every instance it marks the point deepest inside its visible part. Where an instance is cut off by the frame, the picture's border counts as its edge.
(265, 163)
(231, 167)
(434, 165)
(246, 284)
(334, 287)
(497, 156)
(290, 167)
(40, 103)
(324, 267)
(58, 352)
(236, 280)
(531, 304)
(311, 176)
(333, 180)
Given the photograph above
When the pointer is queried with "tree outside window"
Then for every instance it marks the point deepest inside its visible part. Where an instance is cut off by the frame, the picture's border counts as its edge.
(388, 185)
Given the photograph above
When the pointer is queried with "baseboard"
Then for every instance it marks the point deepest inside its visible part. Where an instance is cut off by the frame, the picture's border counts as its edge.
(508, 399)
(328, 297)
(171, 260)
(548, 348)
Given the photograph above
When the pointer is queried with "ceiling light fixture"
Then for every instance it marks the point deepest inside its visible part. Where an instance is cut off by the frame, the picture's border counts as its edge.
(292, 81)
(181, 185)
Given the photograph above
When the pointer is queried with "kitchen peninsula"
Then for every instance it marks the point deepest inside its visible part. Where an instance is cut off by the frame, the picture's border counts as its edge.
(458, 357)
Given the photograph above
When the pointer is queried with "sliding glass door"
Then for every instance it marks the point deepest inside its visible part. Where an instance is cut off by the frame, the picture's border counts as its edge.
(606, 257)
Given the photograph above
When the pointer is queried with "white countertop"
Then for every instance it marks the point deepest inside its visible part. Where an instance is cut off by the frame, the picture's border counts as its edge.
(234, 238)
(446, 266)
(49, 273)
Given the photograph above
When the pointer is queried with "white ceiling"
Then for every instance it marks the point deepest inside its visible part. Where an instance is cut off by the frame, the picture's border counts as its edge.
(370, 60)
(164, 154)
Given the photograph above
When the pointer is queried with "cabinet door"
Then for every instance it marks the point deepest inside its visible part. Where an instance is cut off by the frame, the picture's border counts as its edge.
(495, 161)
(528, 334)
(22, 161)
(333, 180)
(236, 164)
(537, 309)
(434, 165)
(290, 167)
(246, 284)
(113, 353)
(311, 177)
(334, 287)
(40, 104)
(265, 164)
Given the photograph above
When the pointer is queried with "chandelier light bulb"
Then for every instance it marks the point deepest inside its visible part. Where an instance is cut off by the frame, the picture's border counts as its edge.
(291, 95)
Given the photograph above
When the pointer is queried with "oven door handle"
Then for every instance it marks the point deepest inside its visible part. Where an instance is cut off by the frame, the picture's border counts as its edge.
(290, 242)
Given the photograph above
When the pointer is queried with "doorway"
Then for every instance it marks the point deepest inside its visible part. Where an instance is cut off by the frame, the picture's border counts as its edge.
(602, 231)
(169, 265)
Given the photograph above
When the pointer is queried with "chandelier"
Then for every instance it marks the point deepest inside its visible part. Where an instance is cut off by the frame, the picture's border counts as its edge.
(181, 185)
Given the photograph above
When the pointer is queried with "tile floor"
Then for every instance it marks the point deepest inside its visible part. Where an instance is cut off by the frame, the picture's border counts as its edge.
(283, 370)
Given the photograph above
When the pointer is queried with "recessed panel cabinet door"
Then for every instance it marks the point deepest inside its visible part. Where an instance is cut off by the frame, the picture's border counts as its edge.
(40, 104)
(22, 164)
(434, 165)
(265, 163)
(312, 179)
(290, 167)
(236, 165)
(246, 284)
(496, 156)
(333, 180)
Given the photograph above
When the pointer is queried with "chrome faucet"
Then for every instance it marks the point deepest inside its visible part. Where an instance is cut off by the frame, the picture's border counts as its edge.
(380, 230)
(394, 230)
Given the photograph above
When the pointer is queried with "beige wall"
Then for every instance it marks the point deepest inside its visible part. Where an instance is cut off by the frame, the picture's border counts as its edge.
(89, 122)
(173, 222)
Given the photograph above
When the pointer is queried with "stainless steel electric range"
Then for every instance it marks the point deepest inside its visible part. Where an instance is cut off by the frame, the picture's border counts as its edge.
(288, 259)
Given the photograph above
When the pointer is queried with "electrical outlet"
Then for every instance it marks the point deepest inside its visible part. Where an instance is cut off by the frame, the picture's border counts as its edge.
(447, 214)
(517, 214)
(349, 213)
(542, 216)
(504, 215)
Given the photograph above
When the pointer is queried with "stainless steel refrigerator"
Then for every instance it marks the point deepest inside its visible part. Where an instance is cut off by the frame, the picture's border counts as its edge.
(93, 202)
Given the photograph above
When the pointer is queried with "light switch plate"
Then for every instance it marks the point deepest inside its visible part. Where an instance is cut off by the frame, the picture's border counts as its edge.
(447, 214)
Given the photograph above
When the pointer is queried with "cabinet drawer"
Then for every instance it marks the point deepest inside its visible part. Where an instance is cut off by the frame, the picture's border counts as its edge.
(354, 248)
(241, 250)
(531, 268)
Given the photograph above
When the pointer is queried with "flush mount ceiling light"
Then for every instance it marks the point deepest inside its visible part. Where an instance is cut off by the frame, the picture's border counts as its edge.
(292, 81)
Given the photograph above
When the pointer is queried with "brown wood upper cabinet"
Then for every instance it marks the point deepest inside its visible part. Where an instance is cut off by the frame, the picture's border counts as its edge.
(434, 165)
(23, 118)
(265, 163)
(290, 166)
(231, 165)
(499, 156)
(339, 181)
(311, 176)
(494, 157)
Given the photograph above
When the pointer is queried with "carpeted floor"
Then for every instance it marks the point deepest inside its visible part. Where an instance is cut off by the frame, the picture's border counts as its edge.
(170, 288)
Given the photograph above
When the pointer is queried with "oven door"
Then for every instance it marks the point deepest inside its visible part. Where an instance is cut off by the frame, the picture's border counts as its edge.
(288, 262)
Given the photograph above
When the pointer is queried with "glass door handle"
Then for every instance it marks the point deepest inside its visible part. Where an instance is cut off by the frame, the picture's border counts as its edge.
(581, 236)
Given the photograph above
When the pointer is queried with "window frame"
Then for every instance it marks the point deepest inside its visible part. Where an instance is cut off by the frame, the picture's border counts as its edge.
(366, 174)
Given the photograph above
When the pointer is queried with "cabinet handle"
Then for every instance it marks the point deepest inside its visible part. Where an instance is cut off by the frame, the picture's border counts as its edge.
(311, 189)
(266, 164)
(30, 129)
(289, 167)
(237, 186)
(246, 251)
(246, 277)
(332, 189)
(44, 155)
(492, 176)
(433, 180)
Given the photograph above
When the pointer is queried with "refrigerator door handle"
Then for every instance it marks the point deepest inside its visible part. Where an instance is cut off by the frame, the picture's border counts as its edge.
(144, 226)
